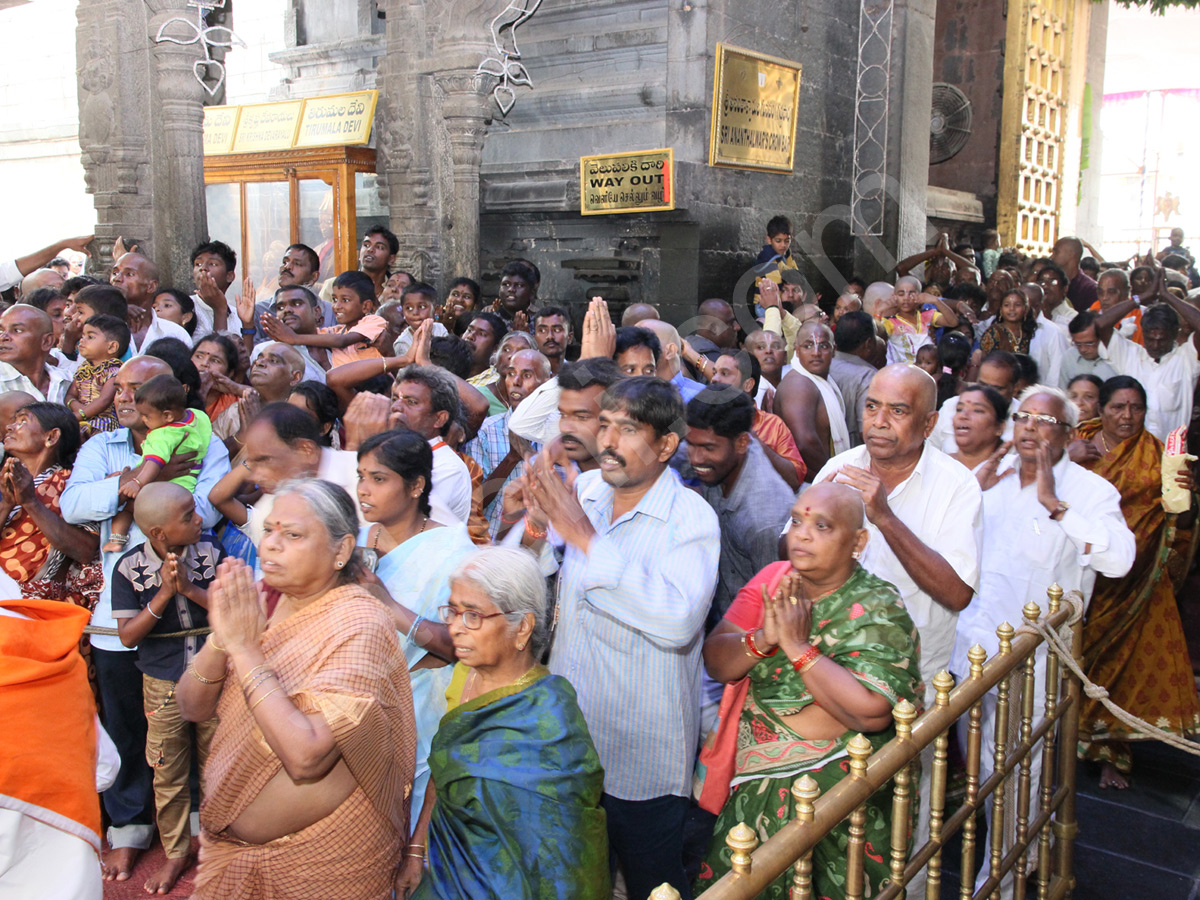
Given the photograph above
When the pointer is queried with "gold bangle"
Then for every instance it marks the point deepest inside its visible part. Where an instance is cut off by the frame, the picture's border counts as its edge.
(261, 679)
(263, 697)
(248, 675)
(200, 678)
(212, 642)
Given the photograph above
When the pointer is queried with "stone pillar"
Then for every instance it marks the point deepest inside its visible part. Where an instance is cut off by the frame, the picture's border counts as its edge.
(891, 141)
(464, 100)
(141, 117)
(432, 118)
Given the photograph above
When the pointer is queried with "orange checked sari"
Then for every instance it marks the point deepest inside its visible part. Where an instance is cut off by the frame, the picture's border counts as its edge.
(340, 657)
(1133, 641)
(29, 559)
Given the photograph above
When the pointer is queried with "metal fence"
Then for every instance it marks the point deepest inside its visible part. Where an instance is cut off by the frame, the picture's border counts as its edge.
(1032, 829)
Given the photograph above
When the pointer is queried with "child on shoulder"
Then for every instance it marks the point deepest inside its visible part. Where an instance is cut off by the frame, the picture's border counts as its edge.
(101, 345)
(173, 428)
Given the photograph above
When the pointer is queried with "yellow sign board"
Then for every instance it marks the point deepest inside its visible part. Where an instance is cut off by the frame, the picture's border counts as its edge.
(267, 126)
(220, 124)
(340, 119)
(627, 182)
(756, 101)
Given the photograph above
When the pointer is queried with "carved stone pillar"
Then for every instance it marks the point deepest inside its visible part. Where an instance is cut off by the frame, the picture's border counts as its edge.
(464, 100)
(140, 131)
(433, 116)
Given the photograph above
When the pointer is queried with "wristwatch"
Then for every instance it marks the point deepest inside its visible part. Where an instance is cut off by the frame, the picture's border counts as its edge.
(1060, 510)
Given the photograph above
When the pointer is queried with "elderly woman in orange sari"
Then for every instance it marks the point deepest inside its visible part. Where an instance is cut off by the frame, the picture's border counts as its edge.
(308, 781)
(1133, 641)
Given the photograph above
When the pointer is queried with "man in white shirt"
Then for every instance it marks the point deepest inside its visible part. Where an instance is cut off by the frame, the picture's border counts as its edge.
(1084, 356)
(923, 518)
(1046, 520)
(425, 399)
(136, 277)
(26, 339)
(1167, 370)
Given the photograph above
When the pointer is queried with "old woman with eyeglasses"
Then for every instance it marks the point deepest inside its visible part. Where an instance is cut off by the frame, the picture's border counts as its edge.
(513, 805)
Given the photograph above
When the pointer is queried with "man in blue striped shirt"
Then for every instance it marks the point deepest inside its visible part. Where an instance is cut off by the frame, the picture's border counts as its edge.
(638, 571)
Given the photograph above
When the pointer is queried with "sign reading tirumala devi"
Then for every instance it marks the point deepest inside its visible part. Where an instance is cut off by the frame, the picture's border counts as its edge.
(627, 182)
(756, 99)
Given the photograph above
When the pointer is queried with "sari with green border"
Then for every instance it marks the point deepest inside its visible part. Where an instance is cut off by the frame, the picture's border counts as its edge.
(863, 627)
(518, 787)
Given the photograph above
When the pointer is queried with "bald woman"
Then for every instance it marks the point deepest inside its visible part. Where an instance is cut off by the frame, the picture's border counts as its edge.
(813, 651)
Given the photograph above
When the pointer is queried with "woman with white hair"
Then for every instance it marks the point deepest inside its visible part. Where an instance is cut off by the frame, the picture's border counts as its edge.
(513, 768)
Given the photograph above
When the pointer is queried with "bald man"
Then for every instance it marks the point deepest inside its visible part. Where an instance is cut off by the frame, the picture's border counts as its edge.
(714, 330)
(26, 339)
(923, 515)
(810, 403)
(39, 279)
(670, 360)
(136, 277)
(1081, 288)
(638, 313)
(91, 496)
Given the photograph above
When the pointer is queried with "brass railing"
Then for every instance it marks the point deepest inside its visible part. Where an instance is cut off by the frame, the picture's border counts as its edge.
(1057, 731)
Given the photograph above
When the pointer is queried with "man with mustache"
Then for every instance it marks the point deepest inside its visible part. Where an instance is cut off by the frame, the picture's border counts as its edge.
(638, 571)
(299, 267)
(552, 331)
(296, 310)
(500, 456)
(1048, 521)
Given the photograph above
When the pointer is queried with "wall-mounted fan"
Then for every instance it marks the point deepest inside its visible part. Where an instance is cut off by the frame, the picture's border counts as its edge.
(949, 122)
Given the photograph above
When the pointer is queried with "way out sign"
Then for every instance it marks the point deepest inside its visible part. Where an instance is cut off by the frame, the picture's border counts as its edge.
(627, 182)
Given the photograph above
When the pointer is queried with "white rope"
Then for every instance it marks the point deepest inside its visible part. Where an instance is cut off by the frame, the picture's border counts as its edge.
(1062, 650)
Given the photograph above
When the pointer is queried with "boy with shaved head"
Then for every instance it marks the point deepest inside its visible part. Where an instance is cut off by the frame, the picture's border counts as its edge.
(161, 586)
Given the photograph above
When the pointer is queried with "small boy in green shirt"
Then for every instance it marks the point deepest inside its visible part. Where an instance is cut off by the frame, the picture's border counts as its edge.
(173, 428)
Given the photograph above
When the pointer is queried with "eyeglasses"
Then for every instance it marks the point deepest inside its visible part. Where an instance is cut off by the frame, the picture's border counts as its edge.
(471, 619)
(1036, 418)
(823, 345)
(1085, 343)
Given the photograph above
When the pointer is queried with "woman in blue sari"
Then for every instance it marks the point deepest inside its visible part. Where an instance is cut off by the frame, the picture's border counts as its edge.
(516, 776)
(413, 558)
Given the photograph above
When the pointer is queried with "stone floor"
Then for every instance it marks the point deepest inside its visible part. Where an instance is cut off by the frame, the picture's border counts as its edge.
(1140, 842)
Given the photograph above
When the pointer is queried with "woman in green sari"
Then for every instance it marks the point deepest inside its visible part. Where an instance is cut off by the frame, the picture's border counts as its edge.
(514, 775)
(813, 651)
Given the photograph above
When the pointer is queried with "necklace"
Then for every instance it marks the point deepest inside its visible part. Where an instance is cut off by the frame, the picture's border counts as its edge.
(1107, 449)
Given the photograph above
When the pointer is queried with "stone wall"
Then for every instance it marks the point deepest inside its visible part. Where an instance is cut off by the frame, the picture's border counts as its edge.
(637, 74)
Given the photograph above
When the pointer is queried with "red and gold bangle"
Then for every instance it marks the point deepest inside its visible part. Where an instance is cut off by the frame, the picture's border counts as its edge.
(752, 649)
(806, 660)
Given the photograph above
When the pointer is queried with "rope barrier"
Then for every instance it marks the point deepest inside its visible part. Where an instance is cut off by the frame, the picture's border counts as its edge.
(112, 632)
(1062, 649)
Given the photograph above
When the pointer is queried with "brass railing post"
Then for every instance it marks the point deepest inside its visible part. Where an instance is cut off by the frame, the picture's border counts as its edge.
(977, 657)
(943, 683)
(1065, 826)
(741, 840)
(805, 792)
(859, 749)
(1005, 632)
(1048, 747)
(904, 714)
(664, 892)
(1031, 612)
